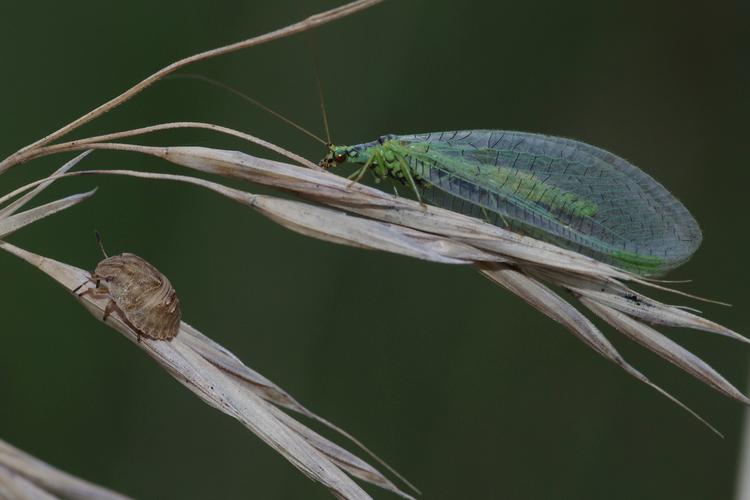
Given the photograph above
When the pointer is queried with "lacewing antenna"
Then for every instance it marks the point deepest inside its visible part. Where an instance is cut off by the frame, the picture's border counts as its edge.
(251, 100)
(316, 65)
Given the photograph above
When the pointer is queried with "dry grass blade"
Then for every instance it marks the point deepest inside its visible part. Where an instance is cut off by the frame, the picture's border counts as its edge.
(15, 487)
(299, 27)
(220, 357)
(578, 273)
(219, 389)
(624, 299)
(260, 385)
(553, 306)
(24, 476)
(402, 226)
(666, 348)
(98, 141)
(334, 190)
(350, 463)
(11, 224)
(324, 223)
(339, 227)
(742, 477)
(12, 208)
(10, 221)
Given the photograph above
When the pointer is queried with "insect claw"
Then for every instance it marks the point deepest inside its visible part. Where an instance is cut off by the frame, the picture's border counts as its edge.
(107, 311)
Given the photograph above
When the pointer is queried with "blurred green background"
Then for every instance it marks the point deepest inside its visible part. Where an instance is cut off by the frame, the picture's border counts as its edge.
(465, 389)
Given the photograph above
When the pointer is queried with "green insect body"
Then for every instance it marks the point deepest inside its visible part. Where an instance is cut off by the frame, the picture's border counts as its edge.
(558, 190)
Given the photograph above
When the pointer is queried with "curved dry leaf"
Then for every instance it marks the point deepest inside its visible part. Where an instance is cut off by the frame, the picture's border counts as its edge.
(326, 223)
(10, 221)
(12, 208)
(347, 461)
(337, 191)
(554, 307)
(266, 389)
(15, 487)
(626, 300)
(339, 227)
(11, 224)
(228, 362)
(666, 348)
(24, 476)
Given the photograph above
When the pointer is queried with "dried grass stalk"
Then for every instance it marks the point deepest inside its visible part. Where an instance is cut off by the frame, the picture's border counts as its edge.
(23, 476)
(200, 365)
(595, 282)
(378, 220)
(363, 217)
(10, 221)
(311, 22)
(15, 487)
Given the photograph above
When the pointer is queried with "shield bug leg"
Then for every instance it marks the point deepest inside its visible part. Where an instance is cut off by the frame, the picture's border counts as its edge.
(111, 307)
(79, 287)
(89, 280)
(95, 293)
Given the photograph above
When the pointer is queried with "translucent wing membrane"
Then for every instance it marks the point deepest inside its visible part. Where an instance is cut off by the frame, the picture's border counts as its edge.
(563, 191)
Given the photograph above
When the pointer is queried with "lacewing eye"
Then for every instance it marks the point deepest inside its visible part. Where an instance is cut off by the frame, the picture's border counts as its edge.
(340, 157)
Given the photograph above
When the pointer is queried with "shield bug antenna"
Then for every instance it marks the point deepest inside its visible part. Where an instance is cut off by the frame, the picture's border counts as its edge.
(101, 245)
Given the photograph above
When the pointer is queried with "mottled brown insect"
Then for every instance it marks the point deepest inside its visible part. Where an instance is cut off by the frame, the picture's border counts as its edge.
(141, 295)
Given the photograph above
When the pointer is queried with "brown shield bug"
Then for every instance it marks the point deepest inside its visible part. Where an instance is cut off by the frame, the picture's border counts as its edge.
(137, 292)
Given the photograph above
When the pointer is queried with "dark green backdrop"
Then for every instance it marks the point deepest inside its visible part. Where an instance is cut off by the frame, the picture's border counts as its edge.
(461, 386)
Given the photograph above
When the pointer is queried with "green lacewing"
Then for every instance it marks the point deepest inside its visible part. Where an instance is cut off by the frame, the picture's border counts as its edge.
(558, 190)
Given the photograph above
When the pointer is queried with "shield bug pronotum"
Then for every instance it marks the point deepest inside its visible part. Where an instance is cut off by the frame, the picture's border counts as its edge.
(141, 295)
